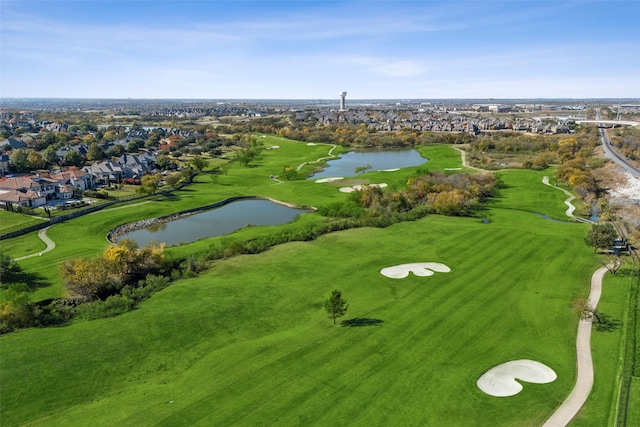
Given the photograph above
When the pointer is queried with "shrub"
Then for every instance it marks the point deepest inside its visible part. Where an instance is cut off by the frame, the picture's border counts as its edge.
(99, 194)
(112, 306)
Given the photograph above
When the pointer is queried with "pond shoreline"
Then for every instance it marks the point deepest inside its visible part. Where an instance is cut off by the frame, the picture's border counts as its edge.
(120, 230)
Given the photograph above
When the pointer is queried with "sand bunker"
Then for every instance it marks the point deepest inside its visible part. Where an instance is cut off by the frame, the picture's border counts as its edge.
(334, 178)
(311, 143)
(500, 381)
(273, 147)
(453, 169)
(418, 268)
(360, 187)
(389, 170)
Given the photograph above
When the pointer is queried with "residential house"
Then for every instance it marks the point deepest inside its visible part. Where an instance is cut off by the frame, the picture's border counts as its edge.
(27, 198)
(76, 179)
(12, 144)
(27, 191)
(106, 172)
(4, 164)
(80, 148)
(126, 166)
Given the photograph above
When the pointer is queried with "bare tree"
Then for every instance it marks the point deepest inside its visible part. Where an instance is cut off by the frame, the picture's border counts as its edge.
(585, 309)
(613, 263)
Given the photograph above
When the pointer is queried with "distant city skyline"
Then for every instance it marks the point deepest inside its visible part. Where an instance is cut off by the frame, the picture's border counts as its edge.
(313, 50)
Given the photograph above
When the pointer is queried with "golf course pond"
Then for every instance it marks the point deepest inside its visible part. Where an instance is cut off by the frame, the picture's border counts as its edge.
(221, 220)
(378, 160)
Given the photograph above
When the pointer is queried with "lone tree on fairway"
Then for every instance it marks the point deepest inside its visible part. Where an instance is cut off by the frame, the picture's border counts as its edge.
(335, 305)
(601, 236)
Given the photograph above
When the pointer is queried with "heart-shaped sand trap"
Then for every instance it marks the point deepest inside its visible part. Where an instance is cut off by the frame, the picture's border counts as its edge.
(500, 381)
(418, 268)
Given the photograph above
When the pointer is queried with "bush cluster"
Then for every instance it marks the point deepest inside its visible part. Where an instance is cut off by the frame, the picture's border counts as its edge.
(119, 265)
(371, 207)
(96, 194)
(124, 275)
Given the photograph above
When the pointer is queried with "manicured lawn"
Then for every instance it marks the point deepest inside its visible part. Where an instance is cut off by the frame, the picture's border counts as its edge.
(125, 191)
(607, 348)
(247, 342)
(253, 181)
(12, 220)
(634, 403)
(25, 245)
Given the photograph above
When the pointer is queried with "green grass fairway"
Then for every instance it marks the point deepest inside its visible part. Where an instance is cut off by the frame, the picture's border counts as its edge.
(248, 343)
(608, 346)
(633, 416)
(207, 189)
(10, 221)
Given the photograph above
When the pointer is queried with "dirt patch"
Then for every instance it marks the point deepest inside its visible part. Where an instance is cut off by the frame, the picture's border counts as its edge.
(623, 195)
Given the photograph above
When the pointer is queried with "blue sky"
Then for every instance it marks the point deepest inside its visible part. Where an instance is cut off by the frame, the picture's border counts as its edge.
(315, 49)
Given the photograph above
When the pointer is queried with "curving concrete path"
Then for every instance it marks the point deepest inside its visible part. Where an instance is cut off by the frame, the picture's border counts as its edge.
(584, 382)
(463, 156)
(570, 207)
(331, 156)
(42, 234)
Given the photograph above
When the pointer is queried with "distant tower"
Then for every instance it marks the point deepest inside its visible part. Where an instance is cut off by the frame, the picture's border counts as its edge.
(342, 96)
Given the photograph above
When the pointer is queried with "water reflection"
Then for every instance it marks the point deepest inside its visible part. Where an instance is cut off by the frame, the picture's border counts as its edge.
(378, 160)
(215, 222)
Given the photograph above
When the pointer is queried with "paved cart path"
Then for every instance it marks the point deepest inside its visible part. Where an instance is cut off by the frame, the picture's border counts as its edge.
(42, 234)
(578, 396)
(331, 156)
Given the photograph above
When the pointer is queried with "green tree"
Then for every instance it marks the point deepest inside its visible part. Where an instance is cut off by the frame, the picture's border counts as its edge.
(16, 308)
(20, 159)
(150, 184)
(336, 306)
(8, 268)
(48, 139)
(289, 173)
(35, 160)
(164, 162)
(198, 163)
(172, 179)
(95, 152)
(120, 265)
(153, 140)
(50, 155)
(601, 236)
(115, 150)
(362, 169)
(73, 158)
(134, 145)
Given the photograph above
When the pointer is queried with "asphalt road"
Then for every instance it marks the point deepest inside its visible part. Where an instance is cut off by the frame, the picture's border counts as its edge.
(612, 154)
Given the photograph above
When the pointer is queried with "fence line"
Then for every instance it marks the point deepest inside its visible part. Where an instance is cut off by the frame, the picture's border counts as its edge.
(61, 218)
(630, 351)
